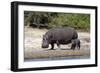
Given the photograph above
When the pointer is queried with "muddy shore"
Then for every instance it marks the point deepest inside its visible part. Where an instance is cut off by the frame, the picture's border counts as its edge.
(33, 50)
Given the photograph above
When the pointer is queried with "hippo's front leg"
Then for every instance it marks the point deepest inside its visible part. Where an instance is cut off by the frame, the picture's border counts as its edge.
(52, 46)
(58, 44)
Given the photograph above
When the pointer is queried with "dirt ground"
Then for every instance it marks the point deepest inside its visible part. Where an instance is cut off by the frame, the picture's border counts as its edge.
(33, 50)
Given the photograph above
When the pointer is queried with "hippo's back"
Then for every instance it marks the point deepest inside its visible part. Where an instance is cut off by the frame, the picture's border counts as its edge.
(63, 35)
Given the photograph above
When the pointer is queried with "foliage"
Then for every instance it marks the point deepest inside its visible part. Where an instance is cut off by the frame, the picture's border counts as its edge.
(53, 19)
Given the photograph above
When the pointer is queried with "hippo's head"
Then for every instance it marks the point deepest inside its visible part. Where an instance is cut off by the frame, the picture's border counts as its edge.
(45, 41)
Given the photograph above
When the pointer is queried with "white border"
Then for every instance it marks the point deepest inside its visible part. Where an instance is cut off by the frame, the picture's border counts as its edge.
(22, 64)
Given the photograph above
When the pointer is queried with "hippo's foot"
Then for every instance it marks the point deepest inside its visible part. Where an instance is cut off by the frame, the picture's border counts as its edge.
(72, 48)
(52, 49)
(78, 48)
(52, 46)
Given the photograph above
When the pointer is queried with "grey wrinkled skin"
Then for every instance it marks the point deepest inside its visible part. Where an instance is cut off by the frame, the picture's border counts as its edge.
(59, 36)
(75, 44)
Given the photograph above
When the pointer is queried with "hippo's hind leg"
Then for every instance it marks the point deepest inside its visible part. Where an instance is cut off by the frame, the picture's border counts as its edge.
(78, 44)
(52, 46)
(73, 46)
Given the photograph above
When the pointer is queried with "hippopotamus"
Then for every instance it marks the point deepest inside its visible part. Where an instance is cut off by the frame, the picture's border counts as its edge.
(75, 44)
(61, 35)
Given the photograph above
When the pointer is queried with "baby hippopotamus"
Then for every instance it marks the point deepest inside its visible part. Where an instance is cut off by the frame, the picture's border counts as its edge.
(61, 35)
(75, 44)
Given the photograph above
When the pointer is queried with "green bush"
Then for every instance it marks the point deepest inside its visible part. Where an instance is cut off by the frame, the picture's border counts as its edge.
(53, 19)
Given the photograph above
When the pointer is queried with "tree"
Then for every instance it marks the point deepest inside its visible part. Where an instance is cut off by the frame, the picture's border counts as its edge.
(53, 19)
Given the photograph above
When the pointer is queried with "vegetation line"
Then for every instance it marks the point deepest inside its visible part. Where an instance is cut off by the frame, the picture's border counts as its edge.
(54, 19)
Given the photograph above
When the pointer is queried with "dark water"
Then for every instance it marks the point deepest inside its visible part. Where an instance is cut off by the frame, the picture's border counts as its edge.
(58, 58)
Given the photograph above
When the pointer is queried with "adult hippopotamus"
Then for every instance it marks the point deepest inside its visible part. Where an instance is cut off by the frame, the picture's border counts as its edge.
(62, 35)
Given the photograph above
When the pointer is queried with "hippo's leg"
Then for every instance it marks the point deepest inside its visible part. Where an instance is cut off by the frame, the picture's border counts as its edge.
(58, 45)
(78, 46)
(73, 46)
(52, 46)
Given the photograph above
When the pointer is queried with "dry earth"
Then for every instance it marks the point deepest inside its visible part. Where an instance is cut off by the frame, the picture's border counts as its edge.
(33, 50)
